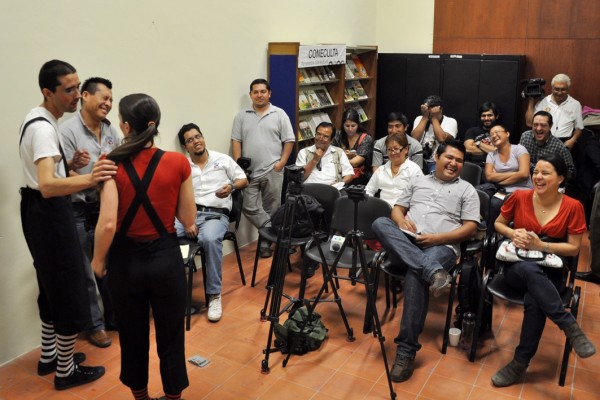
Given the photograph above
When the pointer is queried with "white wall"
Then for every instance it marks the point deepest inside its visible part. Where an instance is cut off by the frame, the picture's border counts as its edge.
(195, 57)
(404, 26)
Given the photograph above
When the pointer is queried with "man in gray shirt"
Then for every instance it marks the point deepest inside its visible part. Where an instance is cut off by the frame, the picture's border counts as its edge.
(438, 211)
(85, 137)
(264, 134)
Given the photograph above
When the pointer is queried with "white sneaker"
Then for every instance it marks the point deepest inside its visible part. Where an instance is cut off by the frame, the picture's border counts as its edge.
(215, 310)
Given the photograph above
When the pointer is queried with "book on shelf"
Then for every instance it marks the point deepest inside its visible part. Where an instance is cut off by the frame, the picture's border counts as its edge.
(351, 91)
(313, 121)
(330, 73)
(347, 96)
(303, 76)
(360, 91)
(349, 74)
(353, 69)
(314, 75)
(322, 96)
(304, 132)
(312, 98)
(361, 112)
(324, 117)
(322, 73)
(361, 71)
(303, 102)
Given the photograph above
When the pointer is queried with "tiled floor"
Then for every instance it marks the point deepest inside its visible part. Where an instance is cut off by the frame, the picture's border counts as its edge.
(339, 369)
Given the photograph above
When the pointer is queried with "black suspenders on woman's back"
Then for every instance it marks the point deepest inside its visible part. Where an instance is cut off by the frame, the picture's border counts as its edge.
(141, 195)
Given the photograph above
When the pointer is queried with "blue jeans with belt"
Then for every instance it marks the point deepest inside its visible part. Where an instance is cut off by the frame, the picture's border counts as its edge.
(419, 266)
(212, 226)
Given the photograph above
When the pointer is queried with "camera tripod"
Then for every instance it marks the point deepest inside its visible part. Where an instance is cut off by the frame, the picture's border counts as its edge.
(277, 276)
(359, 266)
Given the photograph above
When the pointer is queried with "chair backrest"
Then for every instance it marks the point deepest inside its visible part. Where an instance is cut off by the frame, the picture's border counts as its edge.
(368, 211)
(471, 173)
(326, 195)
(235, 214)
(484, 206)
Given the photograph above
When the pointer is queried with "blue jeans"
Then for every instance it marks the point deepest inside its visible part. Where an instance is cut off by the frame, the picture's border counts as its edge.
(86, 240)
(262, 198)
(542, 299)
(211, 229)
(420, 265)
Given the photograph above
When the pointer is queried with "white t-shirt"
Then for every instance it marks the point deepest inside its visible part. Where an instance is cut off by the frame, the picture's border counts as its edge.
(41, 140)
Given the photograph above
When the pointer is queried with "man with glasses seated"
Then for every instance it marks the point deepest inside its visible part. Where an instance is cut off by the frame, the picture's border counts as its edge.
(214, 177)
(324, 163)
(565, 111)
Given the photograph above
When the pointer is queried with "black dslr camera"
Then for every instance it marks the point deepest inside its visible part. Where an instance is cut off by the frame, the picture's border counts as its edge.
(533, 87)
(427, 151)
(294, 173)
(356, 192)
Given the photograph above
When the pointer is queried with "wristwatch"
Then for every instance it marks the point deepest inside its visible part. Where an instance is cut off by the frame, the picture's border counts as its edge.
(232, 187)
(478, 143)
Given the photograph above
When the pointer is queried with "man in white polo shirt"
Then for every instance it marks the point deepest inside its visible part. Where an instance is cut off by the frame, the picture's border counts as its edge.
(214, 177)
(565, 110)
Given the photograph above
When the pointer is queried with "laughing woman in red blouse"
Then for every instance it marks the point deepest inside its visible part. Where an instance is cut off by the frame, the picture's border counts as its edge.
(543, 211)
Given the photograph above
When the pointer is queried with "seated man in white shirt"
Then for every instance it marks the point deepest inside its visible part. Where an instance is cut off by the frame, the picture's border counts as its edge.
(324, 163)
(214, 177)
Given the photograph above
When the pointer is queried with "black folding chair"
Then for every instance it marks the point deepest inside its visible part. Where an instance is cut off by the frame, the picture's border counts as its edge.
(495, 284)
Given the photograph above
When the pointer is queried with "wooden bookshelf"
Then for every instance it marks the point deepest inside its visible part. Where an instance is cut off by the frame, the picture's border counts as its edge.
(289, 82)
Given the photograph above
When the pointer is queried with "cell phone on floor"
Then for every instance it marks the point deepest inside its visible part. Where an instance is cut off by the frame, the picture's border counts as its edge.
(199, 361)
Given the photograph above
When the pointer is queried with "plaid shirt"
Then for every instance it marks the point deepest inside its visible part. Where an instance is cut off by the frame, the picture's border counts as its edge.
(552, 146)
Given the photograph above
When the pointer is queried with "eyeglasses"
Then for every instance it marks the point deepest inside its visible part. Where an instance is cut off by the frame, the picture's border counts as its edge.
(322, 136)
(395, 150)
(191, 140)
(560, 89)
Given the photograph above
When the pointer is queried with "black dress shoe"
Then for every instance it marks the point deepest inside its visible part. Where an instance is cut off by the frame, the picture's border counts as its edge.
(588, 277)
(48, 368)
(80, 376)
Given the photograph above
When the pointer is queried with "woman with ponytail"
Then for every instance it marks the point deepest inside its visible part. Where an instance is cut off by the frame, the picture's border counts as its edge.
(136, 223)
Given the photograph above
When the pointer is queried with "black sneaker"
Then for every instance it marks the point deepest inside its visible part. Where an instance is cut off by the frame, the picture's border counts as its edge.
(80, 376)
(48, 368)
(403, 368)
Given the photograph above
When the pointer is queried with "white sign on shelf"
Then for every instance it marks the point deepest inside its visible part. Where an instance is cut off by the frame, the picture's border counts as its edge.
(322, 54)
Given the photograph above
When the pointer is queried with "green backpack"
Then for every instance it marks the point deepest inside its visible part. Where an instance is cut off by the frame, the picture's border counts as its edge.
(289, 338)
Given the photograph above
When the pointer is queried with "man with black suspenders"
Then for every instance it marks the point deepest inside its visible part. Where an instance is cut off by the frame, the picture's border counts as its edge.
(49, 227)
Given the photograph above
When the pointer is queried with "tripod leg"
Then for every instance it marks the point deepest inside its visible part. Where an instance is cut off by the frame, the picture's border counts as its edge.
(373, 308)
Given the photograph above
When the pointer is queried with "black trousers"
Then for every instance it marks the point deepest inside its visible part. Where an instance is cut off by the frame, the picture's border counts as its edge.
(143, 276)
(50, 233)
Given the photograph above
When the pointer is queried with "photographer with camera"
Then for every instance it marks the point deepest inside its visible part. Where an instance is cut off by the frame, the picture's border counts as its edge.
(324, 163)
(431, 128)
(565, 110)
